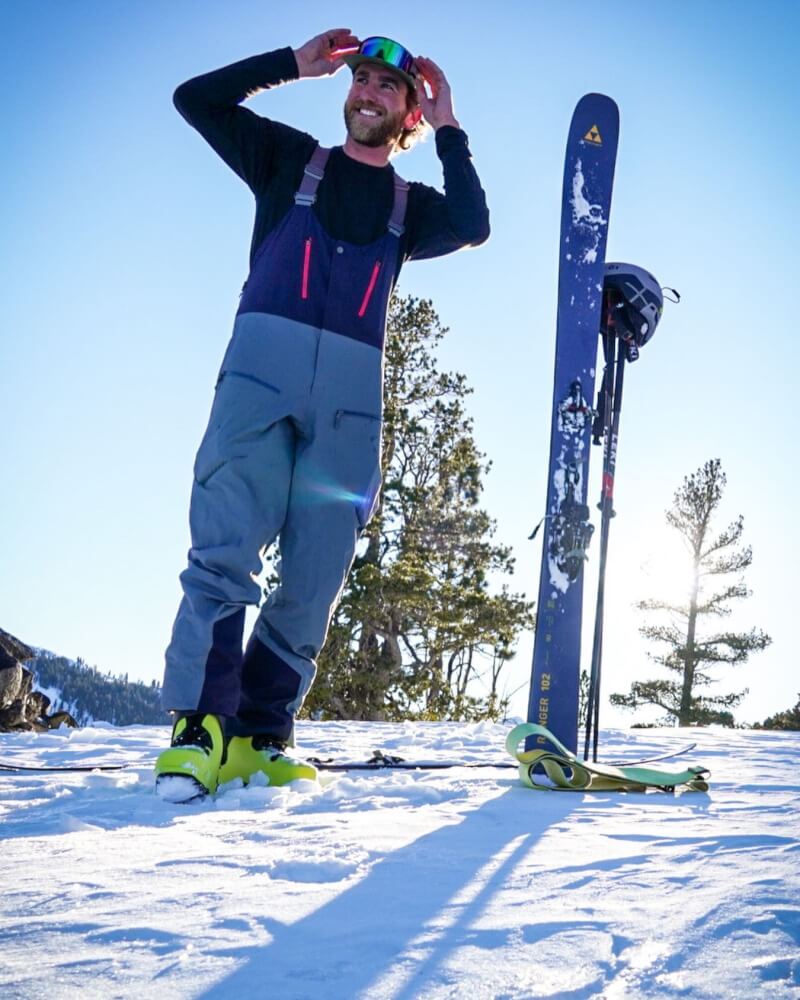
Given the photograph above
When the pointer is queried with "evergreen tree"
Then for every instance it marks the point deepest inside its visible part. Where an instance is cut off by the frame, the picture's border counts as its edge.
(418, 633)
(691, 655)
(91, 696)
(790, 719)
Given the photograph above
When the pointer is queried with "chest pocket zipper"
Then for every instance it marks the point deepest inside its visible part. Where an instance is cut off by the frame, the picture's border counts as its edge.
(370, 289)
(306, 268)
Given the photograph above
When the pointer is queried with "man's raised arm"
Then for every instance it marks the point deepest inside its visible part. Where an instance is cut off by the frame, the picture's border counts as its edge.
(460, 218)
(211, 103)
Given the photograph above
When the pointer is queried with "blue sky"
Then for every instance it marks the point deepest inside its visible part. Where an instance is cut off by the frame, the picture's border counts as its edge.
(124, 243)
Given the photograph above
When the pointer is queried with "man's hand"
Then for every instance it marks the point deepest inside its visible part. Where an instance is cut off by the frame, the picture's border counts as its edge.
(437, 108)
(322, 55)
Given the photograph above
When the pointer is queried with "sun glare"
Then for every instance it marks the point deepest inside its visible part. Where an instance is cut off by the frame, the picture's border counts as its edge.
(667, 569)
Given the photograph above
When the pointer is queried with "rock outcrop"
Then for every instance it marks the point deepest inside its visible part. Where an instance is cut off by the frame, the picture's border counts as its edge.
(20, 706)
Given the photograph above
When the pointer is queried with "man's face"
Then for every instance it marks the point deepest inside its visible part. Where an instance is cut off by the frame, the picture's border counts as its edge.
(376, 109)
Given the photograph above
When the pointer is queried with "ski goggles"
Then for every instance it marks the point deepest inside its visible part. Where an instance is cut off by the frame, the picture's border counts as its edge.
(388, 53)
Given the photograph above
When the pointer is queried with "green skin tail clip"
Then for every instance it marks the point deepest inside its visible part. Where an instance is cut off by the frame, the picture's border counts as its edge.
(563, 772)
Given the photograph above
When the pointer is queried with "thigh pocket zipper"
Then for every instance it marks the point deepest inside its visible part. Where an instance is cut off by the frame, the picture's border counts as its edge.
(249, 378)
(340, 414)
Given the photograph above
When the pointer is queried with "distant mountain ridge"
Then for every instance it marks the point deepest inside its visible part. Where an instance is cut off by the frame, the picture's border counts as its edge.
(91, 696)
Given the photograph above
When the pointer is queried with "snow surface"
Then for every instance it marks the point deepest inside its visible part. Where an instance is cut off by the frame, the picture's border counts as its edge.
(458, 883)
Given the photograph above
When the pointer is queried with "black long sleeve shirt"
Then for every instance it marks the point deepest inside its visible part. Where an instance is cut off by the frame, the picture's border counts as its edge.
(354, 199)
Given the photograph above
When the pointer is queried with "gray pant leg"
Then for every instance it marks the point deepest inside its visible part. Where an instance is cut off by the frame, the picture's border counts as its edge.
(239, 498)
(335, 485)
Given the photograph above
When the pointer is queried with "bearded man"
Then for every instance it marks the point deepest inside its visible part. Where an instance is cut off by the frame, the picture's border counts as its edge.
(292, 448)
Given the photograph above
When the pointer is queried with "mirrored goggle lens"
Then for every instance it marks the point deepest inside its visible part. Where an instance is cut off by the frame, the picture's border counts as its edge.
(389, 52)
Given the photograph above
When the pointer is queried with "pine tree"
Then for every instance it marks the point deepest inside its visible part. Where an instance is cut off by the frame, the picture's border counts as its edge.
(692, 654)
(790, 719)
(418, 632)
(89, 695)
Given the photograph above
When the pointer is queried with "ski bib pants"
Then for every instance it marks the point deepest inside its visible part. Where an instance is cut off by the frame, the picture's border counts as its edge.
(292, 450)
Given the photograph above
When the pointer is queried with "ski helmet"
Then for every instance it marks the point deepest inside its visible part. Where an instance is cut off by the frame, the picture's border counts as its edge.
(634, 302)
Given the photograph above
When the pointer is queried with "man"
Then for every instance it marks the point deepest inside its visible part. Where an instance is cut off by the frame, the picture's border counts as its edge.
(292, 449)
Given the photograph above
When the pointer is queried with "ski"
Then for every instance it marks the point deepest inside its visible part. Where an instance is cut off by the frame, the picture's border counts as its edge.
(383, 762)
(378, 762)
(654, 760)
(8, 766)
(585, 210)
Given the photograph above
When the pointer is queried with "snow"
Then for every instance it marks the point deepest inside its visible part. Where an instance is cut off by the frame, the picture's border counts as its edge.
(585, 214)
(557, 577)
(400, 884)
(59, 704)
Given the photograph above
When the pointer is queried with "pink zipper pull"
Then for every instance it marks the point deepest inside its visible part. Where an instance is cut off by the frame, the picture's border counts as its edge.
(306, 266)
(370, 289)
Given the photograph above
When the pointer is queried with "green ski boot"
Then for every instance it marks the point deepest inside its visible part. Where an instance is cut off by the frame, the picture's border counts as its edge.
(249, 755)
(189, 769)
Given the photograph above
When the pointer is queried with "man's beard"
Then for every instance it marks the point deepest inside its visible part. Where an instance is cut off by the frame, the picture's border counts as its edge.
(383, 130)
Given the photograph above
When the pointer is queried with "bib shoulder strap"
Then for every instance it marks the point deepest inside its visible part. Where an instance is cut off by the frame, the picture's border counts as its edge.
(397, 219)
(314, 170)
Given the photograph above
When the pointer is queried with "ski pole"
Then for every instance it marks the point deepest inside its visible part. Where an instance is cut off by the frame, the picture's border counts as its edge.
(612, 386)
(601, 432)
